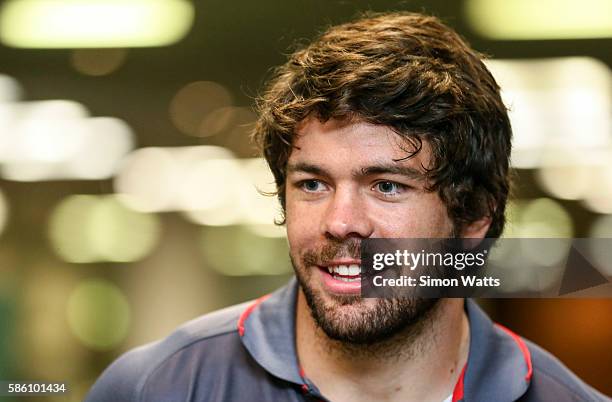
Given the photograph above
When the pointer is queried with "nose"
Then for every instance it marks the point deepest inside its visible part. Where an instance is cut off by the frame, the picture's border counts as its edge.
(346, 216)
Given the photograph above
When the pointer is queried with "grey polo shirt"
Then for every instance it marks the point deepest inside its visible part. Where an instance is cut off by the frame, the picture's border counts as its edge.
(247, 353)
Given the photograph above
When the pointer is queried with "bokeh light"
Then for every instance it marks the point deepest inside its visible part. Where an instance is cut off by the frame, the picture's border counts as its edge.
(212, 191)
(601, 250)
(555, 103)
(238, 191)
(85, 228)
(48, 140)
(98, 314)
(120, 234)
(217, 121)
(565, 173)
(542, 19)
(10, 90)
(68, 222)
(599, 195)
(545, 218)
(261, 206)
(210, 184)
(538, 218)
(97, 62)
(94, 23)
(145, 178)
(157, 179)
(41, 131)
(194, 102)
(236, 251)
(106, 142)
(534, 265)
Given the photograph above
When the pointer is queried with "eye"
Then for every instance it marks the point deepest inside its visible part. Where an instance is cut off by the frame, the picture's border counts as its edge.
(389, 188)
(312, 186)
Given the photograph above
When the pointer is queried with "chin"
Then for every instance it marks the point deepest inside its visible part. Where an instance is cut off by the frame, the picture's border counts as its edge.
(353, 320)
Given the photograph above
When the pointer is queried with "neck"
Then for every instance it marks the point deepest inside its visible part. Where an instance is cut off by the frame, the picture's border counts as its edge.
(423, 362)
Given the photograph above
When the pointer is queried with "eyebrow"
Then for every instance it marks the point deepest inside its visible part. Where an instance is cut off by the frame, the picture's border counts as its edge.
(303, 167)
(406, 171)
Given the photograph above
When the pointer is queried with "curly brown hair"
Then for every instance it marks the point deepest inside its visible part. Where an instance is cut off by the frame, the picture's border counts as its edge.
(414, 74)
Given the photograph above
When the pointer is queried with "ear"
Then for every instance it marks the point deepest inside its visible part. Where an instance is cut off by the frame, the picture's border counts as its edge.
(477, 229)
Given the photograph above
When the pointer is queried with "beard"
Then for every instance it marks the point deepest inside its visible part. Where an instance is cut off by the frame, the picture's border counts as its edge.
(352, 319)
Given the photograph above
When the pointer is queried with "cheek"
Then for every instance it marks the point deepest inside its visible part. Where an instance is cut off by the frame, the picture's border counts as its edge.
(426, 217)
(436, 222)
(301, 224)
(293, 233)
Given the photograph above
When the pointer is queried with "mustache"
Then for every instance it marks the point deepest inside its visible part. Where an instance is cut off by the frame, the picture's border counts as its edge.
(349, 248)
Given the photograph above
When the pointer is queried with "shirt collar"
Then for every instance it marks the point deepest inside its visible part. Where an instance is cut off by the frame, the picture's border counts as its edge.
(269, 333)
(497, 369)
(499, 364)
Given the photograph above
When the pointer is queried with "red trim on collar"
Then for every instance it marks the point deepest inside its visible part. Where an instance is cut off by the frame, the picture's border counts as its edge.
(305, 387)
(458, 391)
(245, 314)
(524, 350)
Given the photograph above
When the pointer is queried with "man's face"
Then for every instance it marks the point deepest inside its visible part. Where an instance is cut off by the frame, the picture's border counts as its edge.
(347, 181)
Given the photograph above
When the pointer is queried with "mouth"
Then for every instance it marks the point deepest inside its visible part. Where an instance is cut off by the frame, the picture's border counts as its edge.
(345, 273)
(341, 278)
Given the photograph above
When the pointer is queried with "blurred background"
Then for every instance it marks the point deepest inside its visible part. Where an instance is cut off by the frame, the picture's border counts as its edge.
(129, 191)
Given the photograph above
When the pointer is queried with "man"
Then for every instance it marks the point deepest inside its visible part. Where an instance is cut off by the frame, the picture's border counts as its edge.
(389, 126)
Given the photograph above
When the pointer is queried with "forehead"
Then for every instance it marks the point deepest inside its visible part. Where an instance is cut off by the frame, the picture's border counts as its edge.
(354, 142)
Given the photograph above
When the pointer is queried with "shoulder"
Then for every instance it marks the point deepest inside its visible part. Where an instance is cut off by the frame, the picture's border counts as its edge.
(124, 379)
(553, 381)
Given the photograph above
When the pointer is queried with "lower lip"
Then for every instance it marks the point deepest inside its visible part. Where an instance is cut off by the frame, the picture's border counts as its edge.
(337, 286)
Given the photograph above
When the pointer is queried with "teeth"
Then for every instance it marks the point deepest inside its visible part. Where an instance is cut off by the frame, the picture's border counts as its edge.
(347, 279)
(345, 270)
